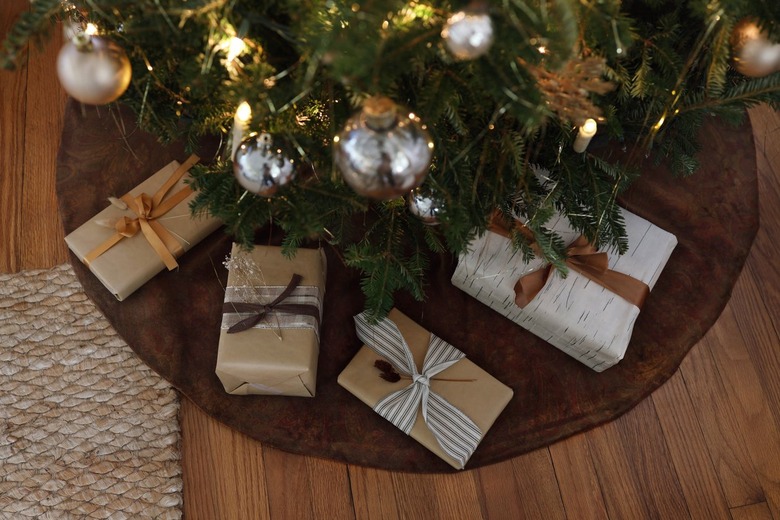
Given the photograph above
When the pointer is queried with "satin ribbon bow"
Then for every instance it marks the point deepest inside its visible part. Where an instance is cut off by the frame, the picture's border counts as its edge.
(582, 257)
(260, 310)
(147, 210)
(454, 431)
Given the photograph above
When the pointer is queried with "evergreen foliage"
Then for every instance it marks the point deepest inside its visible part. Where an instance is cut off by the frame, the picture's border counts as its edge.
(307, 65)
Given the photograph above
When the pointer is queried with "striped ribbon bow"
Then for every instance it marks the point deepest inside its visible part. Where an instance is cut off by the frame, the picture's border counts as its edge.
(454, 431)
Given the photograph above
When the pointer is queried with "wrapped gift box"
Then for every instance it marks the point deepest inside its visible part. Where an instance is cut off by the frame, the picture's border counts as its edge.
(468, 388)
(278, 354)
(124, 263)
(575, 314)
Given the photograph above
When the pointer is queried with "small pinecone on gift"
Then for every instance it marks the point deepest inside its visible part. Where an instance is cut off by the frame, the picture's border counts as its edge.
(388, 373)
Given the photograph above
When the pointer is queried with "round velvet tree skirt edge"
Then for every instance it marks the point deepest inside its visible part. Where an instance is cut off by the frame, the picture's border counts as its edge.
(173, 321)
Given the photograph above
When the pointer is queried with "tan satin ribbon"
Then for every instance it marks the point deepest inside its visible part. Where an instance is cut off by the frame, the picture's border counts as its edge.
(148, 210)
(582, 257)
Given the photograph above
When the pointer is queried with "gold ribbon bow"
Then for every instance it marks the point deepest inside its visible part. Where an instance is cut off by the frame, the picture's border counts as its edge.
(148, 209)
(582, 257)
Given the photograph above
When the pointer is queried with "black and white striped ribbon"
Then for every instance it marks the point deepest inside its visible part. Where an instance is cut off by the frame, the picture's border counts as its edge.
(454, 431)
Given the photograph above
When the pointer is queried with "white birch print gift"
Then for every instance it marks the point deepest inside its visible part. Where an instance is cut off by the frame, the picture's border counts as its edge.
(575, 314)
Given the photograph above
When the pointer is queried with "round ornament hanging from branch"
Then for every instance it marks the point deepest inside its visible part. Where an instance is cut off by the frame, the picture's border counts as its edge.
(383, 152)
(92, 69)
(262, 164)
(468, 34)
(754, 55)
(423, 204)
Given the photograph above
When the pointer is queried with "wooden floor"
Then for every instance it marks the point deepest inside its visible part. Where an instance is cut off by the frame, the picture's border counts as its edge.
(705, 445)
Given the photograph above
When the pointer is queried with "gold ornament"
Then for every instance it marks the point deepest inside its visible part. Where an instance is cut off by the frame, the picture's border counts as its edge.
(567, 91)
(754, 55)
(95, 71)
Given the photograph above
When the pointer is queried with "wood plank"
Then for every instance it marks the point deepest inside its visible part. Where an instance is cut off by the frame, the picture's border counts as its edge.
(43, 127)
(330, 489)
(759, 324)
(287, 482)
(689, 451)
(577, 479)
(758, 511)
(632, 462)
(306, 487)
(13, 93)
(537, 494)
(524, 487)
(720, 426)
(499, 490)
(761, 293)
(623, 497)
(748, 400)
(426, 496)
(644, 441)
(373, 494)
(223, 470)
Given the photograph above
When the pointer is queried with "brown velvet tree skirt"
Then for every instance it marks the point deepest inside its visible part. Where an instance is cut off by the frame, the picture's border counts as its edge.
(173, 321)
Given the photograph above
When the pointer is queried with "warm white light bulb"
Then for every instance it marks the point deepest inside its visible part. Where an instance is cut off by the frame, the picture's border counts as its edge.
(91, 29)
(589, 128)
(240, 124)
(235, 48)
(584, 135)
(243, 112)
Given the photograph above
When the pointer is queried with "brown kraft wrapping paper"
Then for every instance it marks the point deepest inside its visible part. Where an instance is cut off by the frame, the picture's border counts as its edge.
(132, 262)
(273, 360)
(482, 400)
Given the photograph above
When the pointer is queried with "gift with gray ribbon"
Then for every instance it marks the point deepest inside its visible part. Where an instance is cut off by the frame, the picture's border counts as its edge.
(269, 337)
(447, 406)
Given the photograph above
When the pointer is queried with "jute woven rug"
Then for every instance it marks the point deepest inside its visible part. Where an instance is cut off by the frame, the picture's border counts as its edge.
(87, 430)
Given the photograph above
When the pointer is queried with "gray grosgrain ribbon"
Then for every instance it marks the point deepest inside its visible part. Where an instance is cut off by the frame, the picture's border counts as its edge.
(454, 431)
(258, 311)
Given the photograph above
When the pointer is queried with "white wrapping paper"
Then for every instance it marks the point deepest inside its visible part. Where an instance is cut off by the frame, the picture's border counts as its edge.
(575, 314)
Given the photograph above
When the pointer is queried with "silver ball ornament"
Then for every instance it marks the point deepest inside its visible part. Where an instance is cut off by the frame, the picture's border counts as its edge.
(262, 164)
(468, 35)
(95, 72)
(754, 55)
(424, 206)
(383, 153)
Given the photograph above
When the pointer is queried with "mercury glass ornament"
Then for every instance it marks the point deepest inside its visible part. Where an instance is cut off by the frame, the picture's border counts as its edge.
(94, 70)
(468, 34)
(262, 164)
(424, 206)
(383, 153)
(754, 54)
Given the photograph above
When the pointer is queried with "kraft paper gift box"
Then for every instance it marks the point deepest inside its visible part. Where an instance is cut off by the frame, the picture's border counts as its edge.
(278, 354)
(575, 314)
(117, 246)
(470, 390)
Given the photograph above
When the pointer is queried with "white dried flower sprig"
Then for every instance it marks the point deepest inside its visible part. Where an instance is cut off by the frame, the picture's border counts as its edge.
(246, 272)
